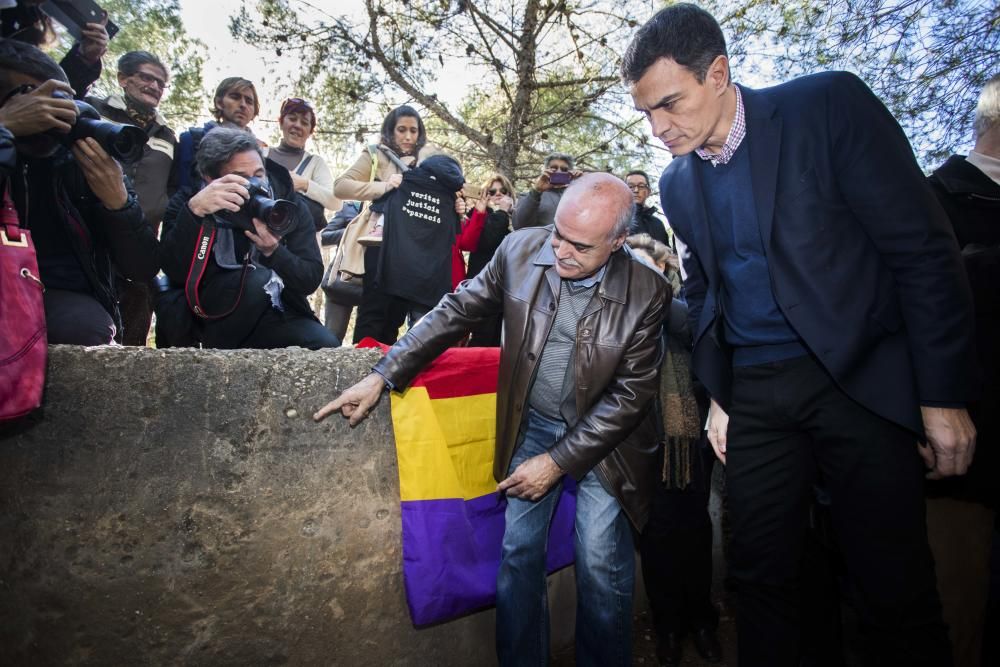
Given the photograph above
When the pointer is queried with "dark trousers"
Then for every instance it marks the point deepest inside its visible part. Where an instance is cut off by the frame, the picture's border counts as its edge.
(135, 300)
(284, 329)
(676, 548)
(789, 426)
(336, 317)
(75, 318)
(380, 315)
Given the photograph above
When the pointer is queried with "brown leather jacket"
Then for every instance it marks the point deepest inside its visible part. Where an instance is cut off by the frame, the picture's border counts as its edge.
(617, 360)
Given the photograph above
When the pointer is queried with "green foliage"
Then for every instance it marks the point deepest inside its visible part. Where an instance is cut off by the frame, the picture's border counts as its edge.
(541, 75)
(538, 75)
(926, 59)
(155, 26)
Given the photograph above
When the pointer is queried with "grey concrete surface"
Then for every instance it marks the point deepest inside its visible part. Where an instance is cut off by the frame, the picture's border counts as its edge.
(173, 507)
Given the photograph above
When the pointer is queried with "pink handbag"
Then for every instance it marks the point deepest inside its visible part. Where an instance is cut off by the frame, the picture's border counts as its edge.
(23, 345)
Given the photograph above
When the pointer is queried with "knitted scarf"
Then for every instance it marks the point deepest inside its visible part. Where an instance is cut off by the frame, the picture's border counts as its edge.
(681, 422)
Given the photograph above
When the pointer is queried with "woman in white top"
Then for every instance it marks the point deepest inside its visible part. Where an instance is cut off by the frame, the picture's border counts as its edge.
(310, 174)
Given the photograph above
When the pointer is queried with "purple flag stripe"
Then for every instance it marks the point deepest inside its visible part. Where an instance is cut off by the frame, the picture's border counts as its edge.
(451, 552)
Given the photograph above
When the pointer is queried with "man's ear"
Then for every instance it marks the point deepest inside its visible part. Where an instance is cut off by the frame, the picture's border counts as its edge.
(718, 74)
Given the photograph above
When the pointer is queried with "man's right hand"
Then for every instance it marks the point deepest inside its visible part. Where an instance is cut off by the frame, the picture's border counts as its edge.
(542, 183)
(718, 425)
(355, 402)
(37, 111)
(227, 193)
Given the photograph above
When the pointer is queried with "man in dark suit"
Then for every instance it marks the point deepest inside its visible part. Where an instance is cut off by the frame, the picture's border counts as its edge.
(832, 326)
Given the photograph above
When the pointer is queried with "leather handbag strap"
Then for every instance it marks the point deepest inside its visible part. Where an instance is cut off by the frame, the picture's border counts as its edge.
(302, 165)
(393, 158)
(199, 262)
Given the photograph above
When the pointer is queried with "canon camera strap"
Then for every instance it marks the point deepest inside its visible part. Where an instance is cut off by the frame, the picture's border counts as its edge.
(199, 261)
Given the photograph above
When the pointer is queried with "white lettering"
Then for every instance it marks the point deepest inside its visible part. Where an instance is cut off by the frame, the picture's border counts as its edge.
(203, 248)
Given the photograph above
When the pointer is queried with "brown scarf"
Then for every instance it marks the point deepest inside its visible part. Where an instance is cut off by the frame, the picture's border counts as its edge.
(681, 422)
(140, 114)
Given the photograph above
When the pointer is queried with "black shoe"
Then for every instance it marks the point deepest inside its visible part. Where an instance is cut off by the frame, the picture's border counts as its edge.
(707, 645)
(668, 649)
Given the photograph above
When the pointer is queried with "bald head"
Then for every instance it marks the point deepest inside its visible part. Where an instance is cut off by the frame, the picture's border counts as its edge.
(606, 195)
(591, 222)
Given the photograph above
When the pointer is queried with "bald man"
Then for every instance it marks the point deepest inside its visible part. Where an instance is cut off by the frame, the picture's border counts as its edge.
(578, 368)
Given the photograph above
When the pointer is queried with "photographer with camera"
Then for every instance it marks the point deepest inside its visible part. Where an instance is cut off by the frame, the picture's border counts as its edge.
(70, 193)
(244, 249)
(143, 80)
(537, 208)
(26, 21)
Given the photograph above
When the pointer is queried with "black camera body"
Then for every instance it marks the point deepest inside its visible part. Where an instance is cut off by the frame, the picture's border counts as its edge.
(122, 142)
(277, 214)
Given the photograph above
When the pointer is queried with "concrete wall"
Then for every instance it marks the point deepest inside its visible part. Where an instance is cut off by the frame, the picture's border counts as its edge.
(180, 507)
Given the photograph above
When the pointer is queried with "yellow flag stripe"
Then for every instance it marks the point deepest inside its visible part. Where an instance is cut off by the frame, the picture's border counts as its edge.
(445, 446)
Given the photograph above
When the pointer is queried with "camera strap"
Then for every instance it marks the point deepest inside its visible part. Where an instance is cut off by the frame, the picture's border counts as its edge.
(199, 261)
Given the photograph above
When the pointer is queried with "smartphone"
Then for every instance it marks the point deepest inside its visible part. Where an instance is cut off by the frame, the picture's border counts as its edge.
(76, 14)
(560, 178)
(472, 191)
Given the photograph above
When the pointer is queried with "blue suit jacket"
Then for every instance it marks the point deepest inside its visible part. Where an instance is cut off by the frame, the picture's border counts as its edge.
(863, 262)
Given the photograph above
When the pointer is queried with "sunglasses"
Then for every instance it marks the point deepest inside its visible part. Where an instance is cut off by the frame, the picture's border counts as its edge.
(493, 192)
(149, 79)
(295, 102)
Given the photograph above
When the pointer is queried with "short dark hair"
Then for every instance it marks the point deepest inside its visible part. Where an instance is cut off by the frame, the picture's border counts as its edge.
(638, 172)
(227, 85)
(23, 58)
(129, 63)
(389, 127)
(684, 33)
(218, 147)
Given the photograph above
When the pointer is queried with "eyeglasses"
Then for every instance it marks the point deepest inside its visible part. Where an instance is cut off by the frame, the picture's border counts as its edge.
(493, 192)
(562, 168)
(637, 187)
(149, 79)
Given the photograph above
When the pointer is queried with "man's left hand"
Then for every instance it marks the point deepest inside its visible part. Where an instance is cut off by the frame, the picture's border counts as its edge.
(95, 41)
(265, 241)
(532, 479)
(951, 441)
(103, 174)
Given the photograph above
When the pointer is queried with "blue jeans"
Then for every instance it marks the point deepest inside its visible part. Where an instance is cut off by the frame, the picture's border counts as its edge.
(605, 567)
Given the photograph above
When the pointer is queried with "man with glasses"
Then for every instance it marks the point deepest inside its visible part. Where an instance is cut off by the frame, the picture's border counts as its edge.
(645, 220)
(537, 208)
(143, 78)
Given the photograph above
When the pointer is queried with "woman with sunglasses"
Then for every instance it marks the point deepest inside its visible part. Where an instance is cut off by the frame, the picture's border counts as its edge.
(310, 174)
(492, 217)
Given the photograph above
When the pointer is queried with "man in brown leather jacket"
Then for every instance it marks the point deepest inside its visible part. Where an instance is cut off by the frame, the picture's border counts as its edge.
(578, 369)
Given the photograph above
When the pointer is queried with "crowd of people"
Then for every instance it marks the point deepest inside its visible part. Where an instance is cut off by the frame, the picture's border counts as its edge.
(805, 318)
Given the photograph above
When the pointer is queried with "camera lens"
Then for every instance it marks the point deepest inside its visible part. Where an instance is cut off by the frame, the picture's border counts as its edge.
(277, 214)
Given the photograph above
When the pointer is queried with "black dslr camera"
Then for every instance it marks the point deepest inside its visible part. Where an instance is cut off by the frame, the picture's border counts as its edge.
(277, 214)
(122, 142)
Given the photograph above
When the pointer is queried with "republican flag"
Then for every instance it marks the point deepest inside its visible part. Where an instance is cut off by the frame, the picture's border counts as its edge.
(453, 518)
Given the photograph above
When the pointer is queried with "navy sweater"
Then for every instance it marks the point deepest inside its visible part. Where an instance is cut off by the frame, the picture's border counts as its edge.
(755, 325)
